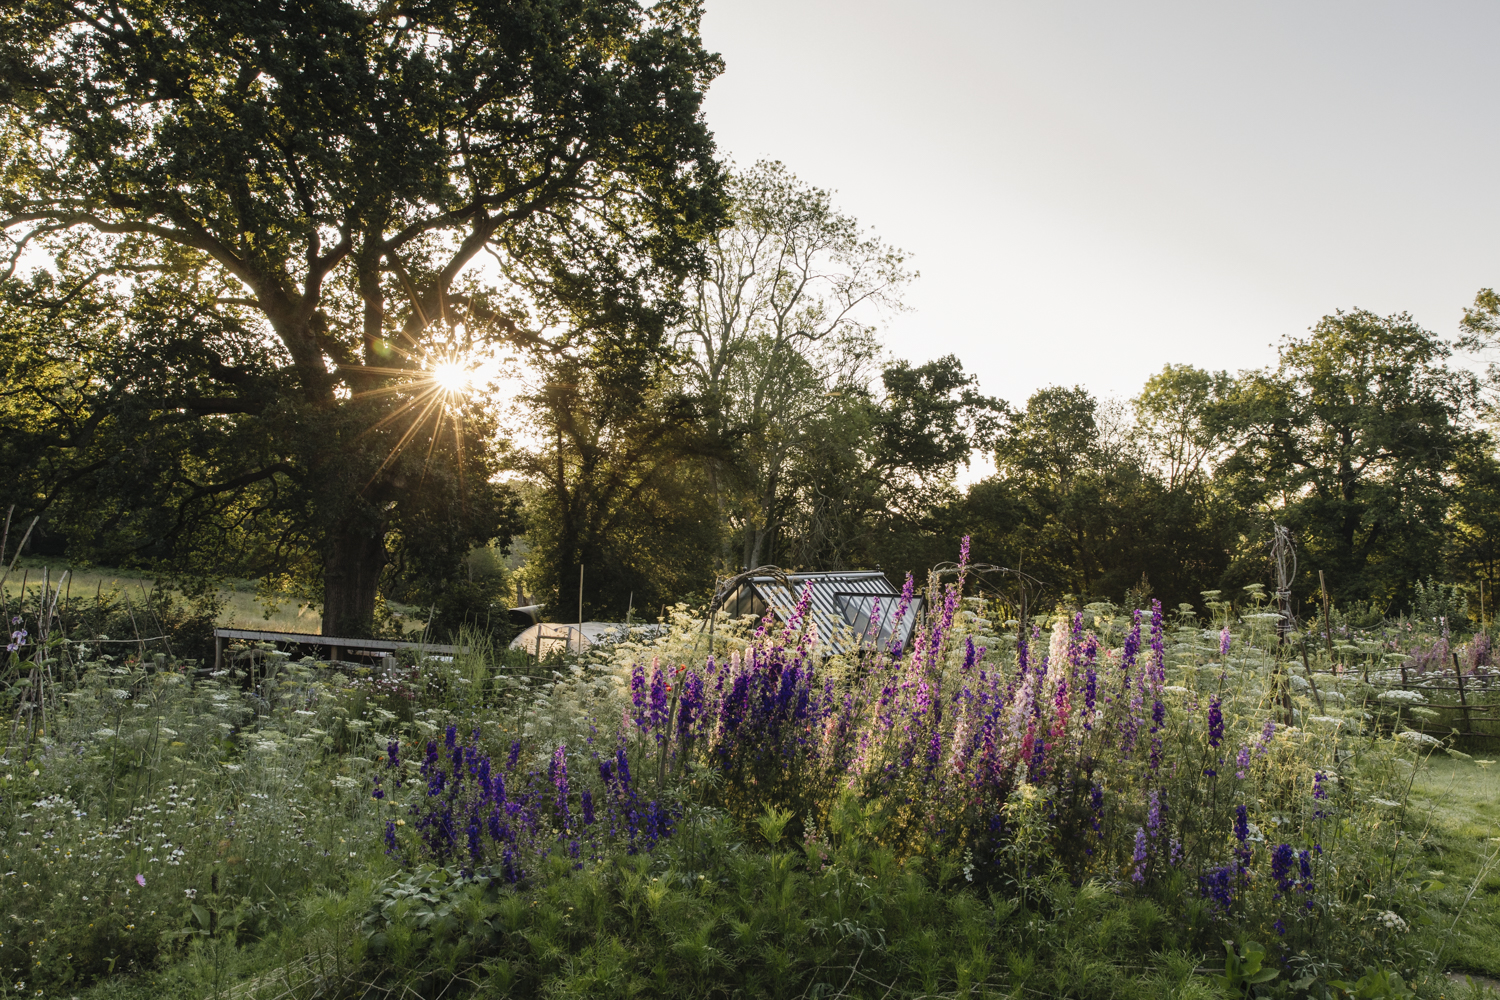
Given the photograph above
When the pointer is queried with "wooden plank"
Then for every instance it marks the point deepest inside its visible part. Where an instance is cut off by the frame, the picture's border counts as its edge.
(310, 639)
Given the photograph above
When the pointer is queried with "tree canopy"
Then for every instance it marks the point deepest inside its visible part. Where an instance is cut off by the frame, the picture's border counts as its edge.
(273, 217)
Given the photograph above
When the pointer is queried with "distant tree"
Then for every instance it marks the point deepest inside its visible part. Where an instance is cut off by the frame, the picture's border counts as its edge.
(1081, 503)
(616, 483)
(875, 477)
(288, 204)
(1352, 441)
(776, 330)
(1475, 541)
(1175, 421)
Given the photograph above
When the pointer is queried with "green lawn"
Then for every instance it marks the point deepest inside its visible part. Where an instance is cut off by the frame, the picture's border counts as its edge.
(241, 606)
(1458, 803)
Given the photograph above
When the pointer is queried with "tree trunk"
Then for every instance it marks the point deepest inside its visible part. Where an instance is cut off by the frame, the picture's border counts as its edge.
(351, 574)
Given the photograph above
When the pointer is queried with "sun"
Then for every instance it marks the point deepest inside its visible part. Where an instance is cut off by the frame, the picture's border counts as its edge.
(452, 377)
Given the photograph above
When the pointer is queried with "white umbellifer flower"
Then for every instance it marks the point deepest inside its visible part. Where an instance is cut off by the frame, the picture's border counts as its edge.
(1387, 803)
(1330, 720)
(104, 734)
(1390, 921)
(1397, 695)
(1423, 739)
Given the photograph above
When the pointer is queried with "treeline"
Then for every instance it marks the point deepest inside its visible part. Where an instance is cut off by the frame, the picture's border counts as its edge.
(776, 432)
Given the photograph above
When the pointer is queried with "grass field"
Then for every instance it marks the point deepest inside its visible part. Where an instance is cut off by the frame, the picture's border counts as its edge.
(242, 607)
(1458, 803)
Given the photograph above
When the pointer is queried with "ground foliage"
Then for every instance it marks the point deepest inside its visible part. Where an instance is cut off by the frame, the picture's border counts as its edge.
(759, 819)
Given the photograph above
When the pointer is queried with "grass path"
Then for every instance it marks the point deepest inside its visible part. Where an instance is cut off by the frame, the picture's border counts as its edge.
(1458, 801)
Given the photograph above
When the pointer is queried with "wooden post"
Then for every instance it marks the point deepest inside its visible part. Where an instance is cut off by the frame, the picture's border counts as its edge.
(1327, 621)
(218, 652)
(1310, 682)
(1462, 697)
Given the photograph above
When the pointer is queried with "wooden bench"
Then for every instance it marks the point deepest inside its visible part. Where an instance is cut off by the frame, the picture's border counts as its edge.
(335, 644)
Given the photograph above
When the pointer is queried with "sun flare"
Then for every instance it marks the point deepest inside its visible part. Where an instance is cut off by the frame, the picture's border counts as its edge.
(452, 377)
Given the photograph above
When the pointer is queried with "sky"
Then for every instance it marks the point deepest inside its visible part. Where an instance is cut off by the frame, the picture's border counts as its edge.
(1093, 190)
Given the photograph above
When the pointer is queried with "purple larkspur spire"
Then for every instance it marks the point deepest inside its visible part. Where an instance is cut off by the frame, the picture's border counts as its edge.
(657, 708)
(1153, 813)
(1283, 857)
(1224, 641)
(638, 693)
(1266, 734)
(559, 776)
(689, 703)
(1132, 646)
(1158, 666)
(908, 592)
(1215, 723)
(1090, 680)
(1138, 876)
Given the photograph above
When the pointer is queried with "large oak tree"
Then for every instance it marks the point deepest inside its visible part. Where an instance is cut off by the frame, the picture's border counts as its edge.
(276, 210)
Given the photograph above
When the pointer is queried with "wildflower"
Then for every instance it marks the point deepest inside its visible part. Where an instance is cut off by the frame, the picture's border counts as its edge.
(1218, 884)
(1139, 858)
(191, 893)
(1215, 723)
(1282, 859)
(140, 880)
(1266, 734)
(1241, 823)
(1224, 640)
(1319, 792)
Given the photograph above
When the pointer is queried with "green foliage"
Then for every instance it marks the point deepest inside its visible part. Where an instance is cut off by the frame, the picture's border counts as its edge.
(1246, 969)
(712, 918)
(619, 489)
(1352, 439)
(1087, 509)
(1375, 984)
(285, 245)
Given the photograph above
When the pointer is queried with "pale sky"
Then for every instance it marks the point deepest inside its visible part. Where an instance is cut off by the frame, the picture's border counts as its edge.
(1091, 190)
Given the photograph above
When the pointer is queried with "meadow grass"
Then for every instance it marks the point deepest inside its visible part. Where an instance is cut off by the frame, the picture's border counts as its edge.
(749, 850)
